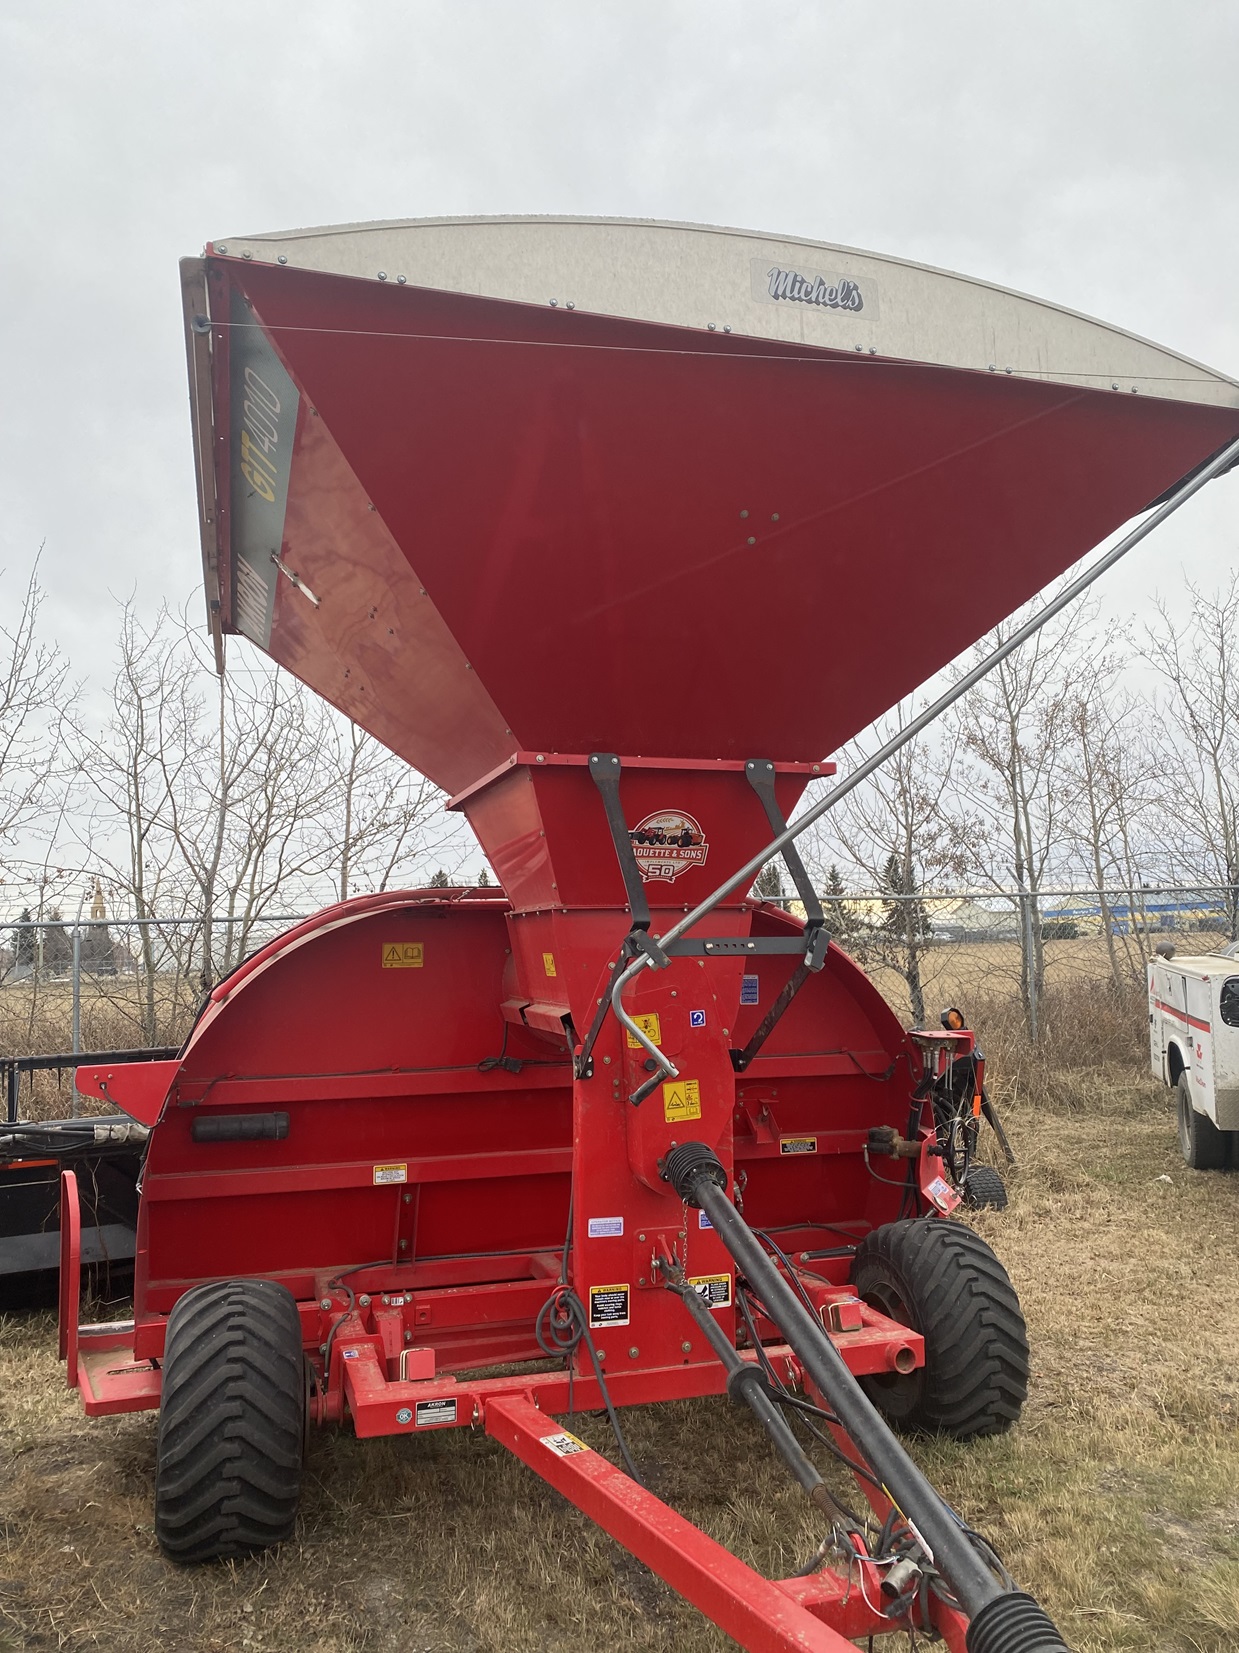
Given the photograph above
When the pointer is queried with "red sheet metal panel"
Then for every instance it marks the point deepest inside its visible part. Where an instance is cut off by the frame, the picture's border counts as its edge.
(406, 1139)
(516, 527)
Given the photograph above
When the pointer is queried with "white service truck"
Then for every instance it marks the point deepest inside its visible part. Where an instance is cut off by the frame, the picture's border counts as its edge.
(1194, 1046)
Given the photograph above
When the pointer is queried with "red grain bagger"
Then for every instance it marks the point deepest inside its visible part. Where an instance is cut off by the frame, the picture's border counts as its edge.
(615, 531)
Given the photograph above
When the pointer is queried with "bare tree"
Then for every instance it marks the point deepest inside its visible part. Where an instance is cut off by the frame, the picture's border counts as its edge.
(899, 833)
(1012, 726)
(35, 693)
(1107, 772)
(244, 784)
(383, 816)
(1199, 663)
(231, 798)
(125, 773)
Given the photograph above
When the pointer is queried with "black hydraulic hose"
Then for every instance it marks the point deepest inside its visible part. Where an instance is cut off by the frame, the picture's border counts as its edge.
(696, 1174)
(749, 1381)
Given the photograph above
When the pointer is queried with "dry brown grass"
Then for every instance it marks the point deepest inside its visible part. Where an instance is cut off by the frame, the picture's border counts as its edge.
(38, 1020)
(1116, 1500)
(987, 974)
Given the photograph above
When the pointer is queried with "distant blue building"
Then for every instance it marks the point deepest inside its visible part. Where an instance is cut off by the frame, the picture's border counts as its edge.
(1148, 911)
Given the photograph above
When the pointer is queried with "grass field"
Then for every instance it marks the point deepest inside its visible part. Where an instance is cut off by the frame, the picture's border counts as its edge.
(1116, 1500)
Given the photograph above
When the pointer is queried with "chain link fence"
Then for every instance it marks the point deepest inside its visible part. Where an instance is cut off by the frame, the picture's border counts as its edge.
(1058, 972)
(1090, 933)
(110, 984)
(1018, 965)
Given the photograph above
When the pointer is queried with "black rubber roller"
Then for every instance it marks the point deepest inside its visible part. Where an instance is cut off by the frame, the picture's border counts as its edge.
(684, 1165)
(1013, 1623)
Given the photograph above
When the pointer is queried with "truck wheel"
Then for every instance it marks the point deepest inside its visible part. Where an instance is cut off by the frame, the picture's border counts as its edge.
(942, 1280)
(984, 1187)
(231, 1422)
(1202, 1145)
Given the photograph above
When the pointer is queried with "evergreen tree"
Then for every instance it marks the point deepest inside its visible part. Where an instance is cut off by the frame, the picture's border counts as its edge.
(439, 881)
(483, 879)
(769, 881)
(24, 943)
(57, 947)
(906, 923)
(839, 920)
(98, 951)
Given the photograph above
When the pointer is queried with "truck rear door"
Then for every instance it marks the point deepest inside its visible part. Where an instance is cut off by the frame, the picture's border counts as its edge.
(1226, 1053)
(1168, 1005)
(1199, 1009)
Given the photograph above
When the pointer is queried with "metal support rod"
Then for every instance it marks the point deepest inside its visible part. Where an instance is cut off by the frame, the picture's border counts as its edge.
(749, 1380)
(604, 767)
(967, 1575)
(760, 773)
(744, 875)
(893, 896)
(77, 1005)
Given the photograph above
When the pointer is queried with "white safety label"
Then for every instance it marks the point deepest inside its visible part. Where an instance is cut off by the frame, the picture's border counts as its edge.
(564, 1445)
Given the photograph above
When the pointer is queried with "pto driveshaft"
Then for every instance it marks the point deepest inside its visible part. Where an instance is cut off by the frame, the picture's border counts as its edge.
(1002, 1619)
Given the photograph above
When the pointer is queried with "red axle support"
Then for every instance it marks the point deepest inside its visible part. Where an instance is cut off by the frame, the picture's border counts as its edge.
(376, 1367)
(98, 1359)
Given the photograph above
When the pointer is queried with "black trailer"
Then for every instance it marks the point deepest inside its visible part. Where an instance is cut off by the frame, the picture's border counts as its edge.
(106, 1154)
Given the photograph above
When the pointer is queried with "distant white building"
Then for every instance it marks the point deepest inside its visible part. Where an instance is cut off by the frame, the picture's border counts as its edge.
(960, 918)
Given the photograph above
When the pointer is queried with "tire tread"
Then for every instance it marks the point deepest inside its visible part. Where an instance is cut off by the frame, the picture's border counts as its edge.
(231, 1422)
(960, 1298)
(984, 1187)
(1203, 1146)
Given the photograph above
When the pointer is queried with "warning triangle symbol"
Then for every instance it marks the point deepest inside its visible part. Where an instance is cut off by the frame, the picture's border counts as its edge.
(392, 956)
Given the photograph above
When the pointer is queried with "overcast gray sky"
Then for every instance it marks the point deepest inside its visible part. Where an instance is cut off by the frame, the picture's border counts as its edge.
(1084, 153)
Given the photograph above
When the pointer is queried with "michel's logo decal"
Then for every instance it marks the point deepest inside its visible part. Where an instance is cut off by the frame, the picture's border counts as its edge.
(810, 289)
(781, 284)
(666, 844)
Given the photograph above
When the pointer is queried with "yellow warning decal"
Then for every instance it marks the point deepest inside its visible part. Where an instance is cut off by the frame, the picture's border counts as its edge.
(681, 1100)
(563, 1445)
(714, 1288)
(402, 955)
(798, 1145)
(652, 1029)
(548, 964)
(608, 1305)
(390, 1173)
